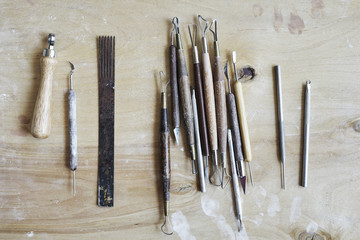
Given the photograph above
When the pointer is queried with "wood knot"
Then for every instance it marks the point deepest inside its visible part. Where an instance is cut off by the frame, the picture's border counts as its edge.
(184, 188)
(246, 73)
(356, 125)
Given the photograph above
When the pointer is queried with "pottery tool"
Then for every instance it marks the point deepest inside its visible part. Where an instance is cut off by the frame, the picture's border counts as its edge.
(306, 133)
(235, 183)
(174, 87)
(199, 98)
(165, 156)
(215, 177)
(106, 71)
(242, 116)
(198, 145)
(220, 103)
(41, 121)
(185, 95)
(280, 123)
(72, 127)
(235, 129)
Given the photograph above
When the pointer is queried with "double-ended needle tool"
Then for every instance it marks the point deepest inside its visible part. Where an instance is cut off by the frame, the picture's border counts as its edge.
(306, 133)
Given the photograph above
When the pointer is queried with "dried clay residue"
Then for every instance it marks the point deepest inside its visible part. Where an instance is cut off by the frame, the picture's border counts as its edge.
(317, 10)
(181, 226)
(257, 10)
(278, 19)
(296, 25)
(21, 131)
(23, 119)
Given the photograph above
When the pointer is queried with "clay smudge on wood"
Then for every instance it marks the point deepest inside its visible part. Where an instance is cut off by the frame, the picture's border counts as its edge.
(296, 25)
(278, 19)
(295, 211)
(23, 119)
(317, 10)
(181, 226)
(274, 205)
(257, 10)
(21, 132)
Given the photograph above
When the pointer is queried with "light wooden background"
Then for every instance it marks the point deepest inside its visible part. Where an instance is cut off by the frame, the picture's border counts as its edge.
(317, 40)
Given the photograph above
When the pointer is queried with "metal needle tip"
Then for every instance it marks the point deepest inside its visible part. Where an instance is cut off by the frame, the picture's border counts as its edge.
(167, 227)
(74, 191)
(251, 179)
(282, 175)
(240, 225)
(177, 135)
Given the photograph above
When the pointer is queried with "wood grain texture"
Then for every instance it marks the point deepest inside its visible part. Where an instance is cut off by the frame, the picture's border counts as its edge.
(36, 199)
(41, 123)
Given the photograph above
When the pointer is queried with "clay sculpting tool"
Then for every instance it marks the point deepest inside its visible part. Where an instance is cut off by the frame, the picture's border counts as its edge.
(210, 111)
(41, 121)
(235, 183)
(106, 71)
(240, 102)
(185, 95)
(174, 88)
(280, 123)
(306, 133)
(235, 129)
(220, 103)
(198, 145)
(165, 156)
(72, 127)
(200, 99)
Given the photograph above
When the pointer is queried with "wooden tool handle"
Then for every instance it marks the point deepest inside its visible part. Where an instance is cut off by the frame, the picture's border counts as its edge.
(165, 154)
(201, 110)
(73, 130)
(234, 125)
(41, 122)
(242, 120)
(185, 96)
(174, 88)
(209, 101)
(220, 101)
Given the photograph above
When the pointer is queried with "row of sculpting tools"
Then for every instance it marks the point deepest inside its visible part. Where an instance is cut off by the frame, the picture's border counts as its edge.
(206, 110)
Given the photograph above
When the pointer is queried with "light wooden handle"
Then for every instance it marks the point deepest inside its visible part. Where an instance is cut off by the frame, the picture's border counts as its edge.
(73, 130)
(209, 101)
(242, 120)
(41, 122)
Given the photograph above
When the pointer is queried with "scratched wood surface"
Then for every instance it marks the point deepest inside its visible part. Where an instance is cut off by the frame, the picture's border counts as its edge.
(316, 40)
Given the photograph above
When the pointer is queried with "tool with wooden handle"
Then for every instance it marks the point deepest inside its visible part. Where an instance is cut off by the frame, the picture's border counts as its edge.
(72, 127)
(41, 121)
(185, 95)
(220, 102)
(215, 177)
(242, 116)
(165, 157)
(200, 99)
(235, 129)
(174, 88)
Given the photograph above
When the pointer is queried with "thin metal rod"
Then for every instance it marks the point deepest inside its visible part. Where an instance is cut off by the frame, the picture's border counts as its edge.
(74, 191)
(306, 133)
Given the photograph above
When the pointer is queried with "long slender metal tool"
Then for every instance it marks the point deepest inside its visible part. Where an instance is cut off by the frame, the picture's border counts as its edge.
(72, 127)
(200, 98)
(281, 123)
(235, 183)
(198, 145)
(306, 133)
(165, 156)
(215, 177)
(220, 101)
(242, 116)
(106, 70)
(185, 95)
(235, 128)
(174, 87)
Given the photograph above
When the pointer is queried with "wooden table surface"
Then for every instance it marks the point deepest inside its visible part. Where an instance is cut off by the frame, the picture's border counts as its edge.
(316, 40)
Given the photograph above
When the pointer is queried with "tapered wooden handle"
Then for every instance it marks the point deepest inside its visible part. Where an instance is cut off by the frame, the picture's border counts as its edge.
(220, 101)
(185, 96)
(165, 154)
(174, 88)
(235, 128)
(41, 122)
(242, 120)
(201, 110)
(209, 101)
(73, 130)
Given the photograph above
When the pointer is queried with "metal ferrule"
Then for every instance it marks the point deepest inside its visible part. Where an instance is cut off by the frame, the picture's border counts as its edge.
(195, 55)
(192, 151)
(242, 169)
(163, 100)
(215, 158)
(49, 53)
(216, 49)
(166, 208)
(204, 45)
(178, 41)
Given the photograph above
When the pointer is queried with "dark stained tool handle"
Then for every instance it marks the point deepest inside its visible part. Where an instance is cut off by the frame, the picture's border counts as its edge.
(234, 125)
(201, 110)
(185, 96)
(220, 101)
(165, 154)
(174, 88)
(209, 101)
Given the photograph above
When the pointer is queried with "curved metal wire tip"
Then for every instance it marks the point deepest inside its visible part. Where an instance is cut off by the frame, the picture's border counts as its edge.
(216, 175)
(214, 32)
(239, 224)
(225, 176)
(167, 227)
(194, 168)
(175, 21)
(203, 30)
(193, 36)
(71, 73)
(177, 135)
(251, 179)
(163, 87)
